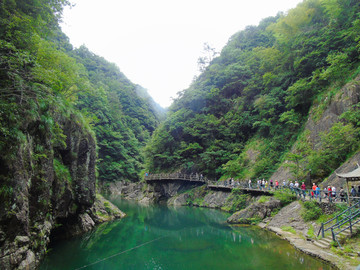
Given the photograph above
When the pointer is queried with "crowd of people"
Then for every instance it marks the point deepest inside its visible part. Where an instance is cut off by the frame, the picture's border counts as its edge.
(331, 193)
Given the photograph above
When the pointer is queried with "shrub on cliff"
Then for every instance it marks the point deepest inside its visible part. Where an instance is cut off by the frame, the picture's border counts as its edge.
(285, 197)
(236, 201)
(311, 211)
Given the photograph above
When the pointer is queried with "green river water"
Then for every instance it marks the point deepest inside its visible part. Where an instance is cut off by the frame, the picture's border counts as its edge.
(158, 237)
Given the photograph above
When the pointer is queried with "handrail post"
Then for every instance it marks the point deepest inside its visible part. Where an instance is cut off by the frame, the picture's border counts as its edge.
(332, 233)
(322, 230)
(351, 232)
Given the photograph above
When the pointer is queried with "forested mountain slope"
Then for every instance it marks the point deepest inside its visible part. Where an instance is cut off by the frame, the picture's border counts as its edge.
(123, 115)
(241, 117)
(66, 116)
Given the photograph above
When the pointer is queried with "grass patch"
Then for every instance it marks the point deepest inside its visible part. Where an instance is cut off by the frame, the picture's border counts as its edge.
(264, 199)
(310, 232)
(288, 229)
(250, 221)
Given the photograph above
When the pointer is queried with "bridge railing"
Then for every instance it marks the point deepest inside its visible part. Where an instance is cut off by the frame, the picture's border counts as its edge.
(306, 194)
(176, 176)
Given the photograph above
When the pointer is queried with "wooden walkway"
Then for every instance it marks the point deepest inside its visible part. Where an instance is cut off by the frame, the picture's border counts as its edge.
(228, 188)
(176, 177)
(213, 185)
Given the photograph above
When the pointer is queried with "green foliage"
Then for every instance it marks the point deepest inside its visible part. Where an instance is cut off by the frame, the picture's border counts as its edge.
(196, 196)
(336, 145)
(61, 171)
(310, 232)
(264, 199)
(338, 68)
(261, 88)
(236, 201)
(44, 81)
(333, 148)
(311, 211)
(352, 116)
(239, 118)
(59, 71)
(288, 229)
(123, 117)
(285, 197)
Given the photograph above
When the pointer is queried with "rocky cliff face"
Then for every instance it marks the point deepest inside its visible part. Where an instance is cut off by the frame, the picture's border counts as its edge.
(256, 211)
(147, 193)
(45, 184)
(347, 167)
(315, 125)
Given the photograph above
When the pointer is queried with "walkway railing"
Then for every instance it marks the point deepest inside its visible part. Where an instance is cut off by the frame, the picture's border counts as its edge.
(347, 216)
(307, 194)
(176, 176)
(350, 221)
(310, 194)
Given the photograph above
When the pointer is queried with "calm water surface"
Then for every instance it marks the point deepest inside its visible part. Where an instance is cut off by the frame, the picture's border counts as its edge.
(158, 237)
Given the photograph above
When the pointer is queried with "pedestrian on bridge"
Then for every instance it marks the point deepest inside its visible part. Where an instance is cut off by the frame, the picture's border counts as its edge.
(353, 191)
(317, 193)
(325, 192)
(303, 188)
(291, 185)
(333, 192)
(342, 195)
(296, 188)
(329, 190)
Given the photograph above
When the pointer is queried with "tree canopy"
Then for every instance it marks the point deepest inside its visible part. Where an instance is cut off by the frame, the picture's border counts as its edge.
(42, 77)
(256, 96)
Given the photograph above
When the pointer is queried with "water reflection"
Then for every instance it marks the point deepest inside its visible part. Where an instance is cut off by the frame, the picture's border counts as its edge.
(158, 237)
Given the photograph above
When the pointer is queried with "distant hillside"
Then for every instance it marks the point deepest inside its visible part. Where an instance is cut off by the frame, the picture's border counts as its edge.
(243, 115)
(124, 117)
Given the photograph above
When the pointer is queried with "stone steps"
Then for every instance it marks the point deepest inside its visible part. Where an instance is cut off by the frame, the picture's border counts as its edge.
(326, 241)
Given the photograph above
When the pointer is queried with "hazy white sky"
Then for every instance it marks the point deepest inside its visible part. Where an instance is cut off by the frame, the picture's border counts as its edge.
(156, 43)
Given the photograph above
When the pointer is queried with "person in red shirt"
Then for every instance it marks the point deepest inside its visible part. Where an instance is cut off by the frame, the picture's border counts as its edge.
(313, 191)
(329, 193)
(303, 188)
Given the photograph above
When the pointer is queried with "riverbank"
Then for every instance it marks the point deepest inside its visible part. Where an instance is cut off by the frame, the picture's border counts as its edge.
(289, 225)
(285, 221)
(307, 247)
